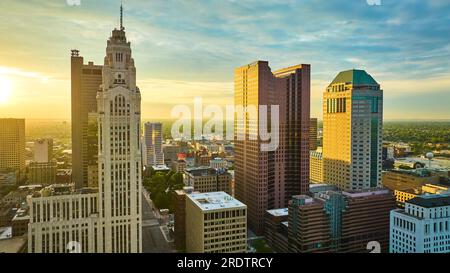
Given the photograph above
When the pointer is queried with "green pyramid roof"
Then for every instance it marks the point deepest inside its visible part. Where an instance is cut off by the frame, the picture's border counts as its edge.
(355, 77)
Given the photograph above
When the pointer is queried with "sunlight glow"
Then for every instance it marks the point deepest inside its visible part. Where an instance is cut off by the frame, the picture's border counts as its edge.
(5, 89)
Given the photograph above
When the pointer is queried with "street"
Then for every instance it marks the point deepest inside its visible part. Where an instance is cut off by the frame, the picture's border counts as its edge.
(152, 238)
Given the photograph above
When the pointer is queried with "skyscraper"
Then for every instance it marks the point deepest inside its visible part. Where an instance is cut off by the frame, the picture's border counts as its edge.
(12, 144)
(43, 150)
(153, 143)
(268, 179)
(119, 153)
(85, 81)
(107, 219)
(352, 131)
(313, 134)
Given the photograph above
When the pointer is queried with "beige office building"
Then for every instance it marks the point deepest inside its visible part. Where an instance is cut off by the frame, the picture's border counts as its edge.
(352, 131)
(215, 223)
(12, 144)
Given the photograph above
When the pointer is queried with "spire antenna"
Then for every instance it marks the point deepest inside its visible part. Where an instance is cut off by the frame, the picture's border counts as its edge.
(121, 16)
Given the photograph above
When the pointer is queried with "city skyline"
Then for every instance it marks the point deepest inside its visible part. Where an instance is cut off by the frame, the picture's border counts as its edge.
(197, 52)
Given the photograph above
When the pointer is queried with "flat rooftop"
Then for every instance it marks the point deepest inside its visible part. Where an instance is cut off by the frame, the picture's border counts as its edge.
(211, 201)
(279, 212)
(431, 201)
(13, 245)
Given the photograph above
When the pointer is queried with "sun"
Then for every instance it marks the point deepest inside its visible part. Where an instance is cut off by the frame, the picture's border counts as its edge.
(5, 89)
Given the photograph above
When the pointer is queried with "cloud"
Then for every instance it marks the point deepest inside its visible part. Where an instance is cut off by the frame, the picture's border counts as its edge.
(195, 45)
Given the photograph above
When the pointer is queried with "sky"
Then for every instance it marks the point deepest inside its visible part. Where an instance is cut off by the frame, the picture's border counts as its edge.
(190, 48)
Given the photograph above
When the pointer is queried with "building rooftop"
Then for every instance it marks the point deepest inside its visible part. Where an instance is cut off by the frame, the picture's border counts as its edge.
(211, 201)
(159, 168)
(205, 171)
(279, 212)
(431, 201)
(13, 245)
(355, 77)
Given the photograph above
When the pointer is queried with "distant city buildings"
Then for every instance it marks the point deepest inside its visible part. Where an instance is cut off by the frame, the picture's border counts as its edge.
(42, 170)
(12, 150)
(218, 163)
(215, 223)
(268, 179)
(153, 142)
(352, 131)
(179, 166)
(43, 150)
(423, 226)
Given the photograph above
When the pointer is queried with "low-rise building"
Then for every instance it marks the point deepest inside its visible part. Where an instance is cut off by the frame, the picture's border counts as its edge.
(179, 165)
(276, 229)
(408, 179)
(19, 223)
(208, 179)
(43, 173)
(404, 195)
(179, 201)
(218, 163)
(60, 215)
(344, 222)
(215, 223)
(423, 226)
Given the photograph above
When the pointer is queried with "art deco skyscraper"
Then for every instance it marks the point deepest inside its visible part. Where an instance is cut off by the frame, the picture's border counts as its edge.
(352, 131)
(107, 219)
(119, 157)
(268, 179)
(86, 81)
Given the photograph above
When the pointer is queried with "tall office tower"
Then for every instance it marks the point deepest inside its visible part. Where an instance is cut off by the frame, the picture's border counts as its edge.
(215, 223)
(12, 145)
(268, 179)
(43, 150)
(153, 142)
(352, 131)
(423, 226)
(313, 134)
(86, 81)
(119, 151)
(107, 219)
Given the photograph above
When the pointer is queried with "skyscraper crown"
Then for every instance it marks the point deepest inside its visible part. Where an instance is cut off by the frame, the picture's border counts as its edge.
(355, 77)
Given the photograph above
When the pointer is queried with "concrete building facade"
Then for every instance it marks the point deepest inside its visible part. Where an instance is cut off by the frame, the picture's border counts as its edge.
(215, 223)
